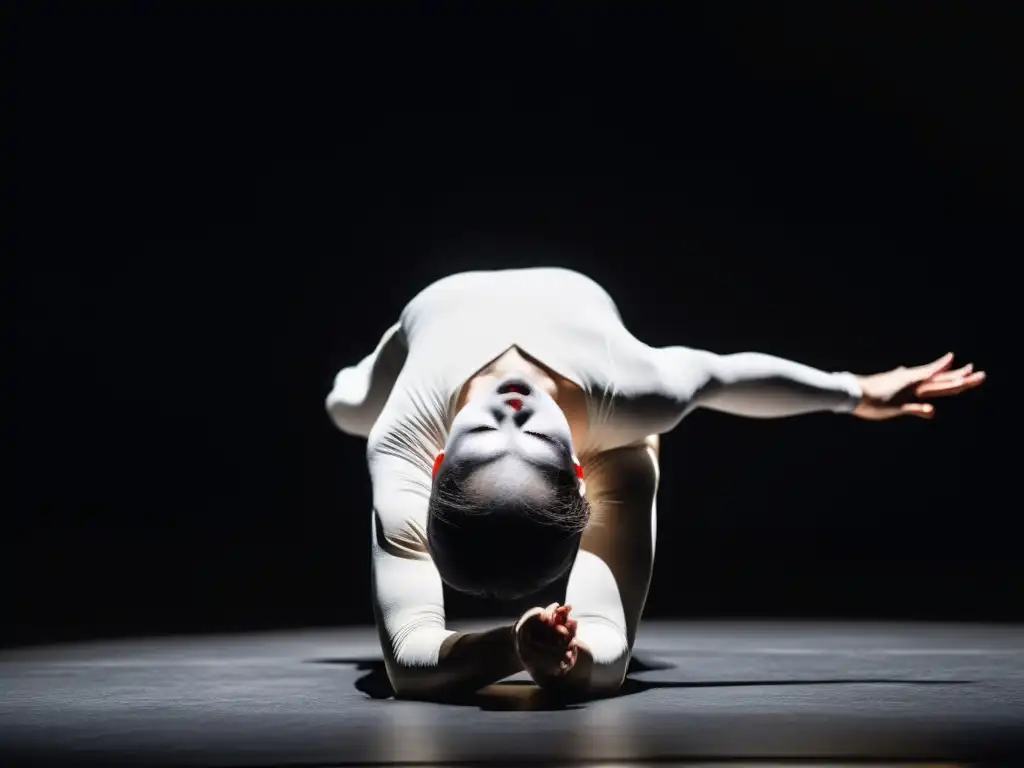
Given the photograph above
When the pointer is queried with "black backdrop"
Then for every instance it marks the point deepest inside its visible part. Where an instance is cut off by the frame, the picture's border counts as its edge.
(215, 206)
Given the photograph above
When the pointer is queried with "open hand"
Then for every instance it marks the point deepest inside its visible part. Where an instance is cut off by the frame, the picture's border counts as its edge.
(546, 641)
(899, 392)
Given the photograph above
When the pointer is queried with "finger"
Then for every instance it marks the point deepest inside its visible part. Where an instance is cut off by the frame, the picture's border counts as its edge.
(879, 413)
(571, 625)
(548, 614)
(942, 390)
(921, 410)
(546, 635)
(947, 388)
(959, 373)
(936, 366)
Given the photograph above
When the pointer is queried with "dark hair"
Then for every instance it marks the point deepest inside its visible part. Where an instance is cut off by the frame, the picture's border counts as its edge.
(503, 549)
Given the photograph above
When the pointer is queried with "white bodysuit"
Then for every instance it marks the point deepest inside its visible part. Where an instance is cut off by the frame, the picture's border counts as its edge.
(401, 398)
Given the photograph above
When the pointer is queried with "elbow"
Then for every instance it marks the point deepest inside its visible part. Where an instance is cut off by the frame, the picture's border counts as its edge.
(414, 675)
(589, 680)
(407, 682)
(404, 685)
(605, 661)
(411, 659)
(416, 683)
(606, 678)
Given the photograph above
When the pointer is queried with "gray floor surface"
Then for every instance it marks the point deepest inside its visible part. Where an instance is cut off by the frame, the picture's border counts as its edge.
(696, 691)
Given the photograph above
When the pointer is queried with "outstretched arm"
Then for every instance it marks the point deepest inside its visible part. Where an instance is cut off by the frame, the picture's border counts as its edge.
(424, 659)
(763, 386)
(758, 385)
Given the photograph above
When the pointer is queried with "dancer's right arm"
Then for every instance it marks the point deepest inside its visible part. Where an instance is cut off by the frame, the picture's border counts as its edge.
(424, 659)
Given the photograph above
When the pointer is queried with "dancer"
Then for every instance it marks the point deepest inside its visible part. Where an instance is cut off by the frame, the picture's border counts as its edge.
(512, 425)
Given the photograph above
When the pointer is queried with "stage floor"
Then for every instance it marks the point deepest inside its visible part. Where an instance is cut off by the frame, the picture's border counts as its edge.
(698, 691)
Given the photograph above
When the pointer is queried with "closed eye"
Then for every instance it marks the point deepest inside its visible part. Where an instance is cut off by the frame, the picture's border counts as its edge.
(484, 428)
(539, 436)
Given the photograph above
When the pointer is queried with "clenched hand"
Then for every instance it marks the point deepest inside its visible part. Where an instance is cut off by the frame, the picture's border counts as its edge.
(546, 641)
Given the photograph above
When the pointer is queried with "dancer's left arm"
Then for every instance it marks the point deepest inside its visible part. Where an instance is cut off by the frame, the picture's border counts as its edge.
(764, 386)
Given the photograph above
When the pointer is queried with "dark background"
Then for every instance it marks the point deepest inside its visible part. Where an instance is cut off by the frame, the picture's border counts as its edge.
(213, 207)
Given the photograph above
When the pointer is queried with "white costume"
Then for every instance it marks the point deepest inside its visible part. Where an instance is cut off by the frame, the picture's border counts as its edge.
(401, 398)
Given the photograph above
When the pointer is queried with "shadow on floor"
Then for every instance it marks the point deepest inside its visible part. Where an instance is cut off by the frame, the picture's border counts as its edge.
(512, 695)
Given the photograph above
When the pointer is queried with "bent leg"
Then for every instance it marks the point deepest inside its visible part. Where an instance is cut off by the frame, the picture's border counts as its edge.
(608, 585)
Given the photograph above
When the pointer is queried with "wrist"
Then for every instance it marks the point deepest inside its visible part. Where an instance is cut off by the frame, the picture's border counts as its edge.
(575, 681)
(516, 633)
(861, 383)
(852, 387)
(517, 627)
(490, 655)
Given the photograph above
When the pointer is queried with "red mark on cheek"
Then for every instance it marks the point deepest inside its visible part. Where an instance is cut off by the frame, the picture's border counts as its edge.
(437, 463)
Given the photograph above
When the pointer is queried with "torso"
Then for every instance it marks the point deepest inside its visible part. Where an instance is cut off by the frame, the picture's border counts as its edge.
(562, 325)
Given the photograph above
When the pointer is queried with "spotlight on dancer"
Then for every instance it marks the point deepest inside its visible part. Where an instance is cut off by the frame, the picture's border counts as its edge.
(498, 411)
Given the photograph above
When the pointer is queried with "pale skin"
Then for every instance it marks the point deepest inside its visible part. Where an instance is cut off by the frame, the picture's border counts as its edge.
(545, 637)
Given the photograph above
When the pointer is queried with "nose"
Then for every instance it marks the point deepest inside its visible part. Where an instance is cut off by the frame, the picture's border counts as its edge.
(512, 411)
(514, 392)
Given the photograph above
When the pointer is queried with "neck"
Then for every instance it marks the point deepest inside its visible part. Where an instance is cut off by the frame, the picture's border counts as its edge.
(513, 363)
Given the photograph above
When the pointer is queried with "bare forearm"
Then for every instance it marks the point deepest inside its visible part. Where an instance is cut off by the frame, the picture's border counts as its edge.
(465, 663)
